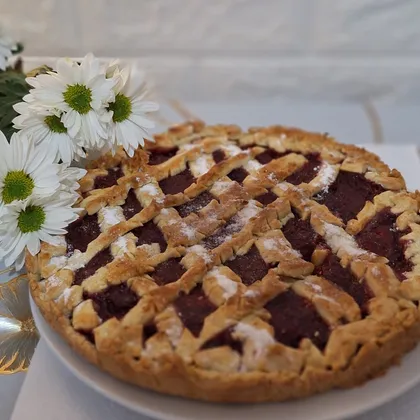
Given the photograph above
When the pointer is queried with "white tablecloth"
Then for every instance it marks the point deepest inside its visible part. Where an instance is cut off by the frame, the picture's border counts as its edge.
(51, 392)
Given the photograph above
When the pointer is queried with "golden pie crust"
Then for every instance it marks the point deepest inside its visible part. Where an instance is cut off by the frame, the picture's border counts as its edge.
(150, 346)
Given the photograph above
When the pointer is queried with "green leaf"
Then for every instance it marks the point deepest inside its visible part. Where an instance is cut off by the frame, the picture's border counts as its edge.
(12, 90)
(18, 49)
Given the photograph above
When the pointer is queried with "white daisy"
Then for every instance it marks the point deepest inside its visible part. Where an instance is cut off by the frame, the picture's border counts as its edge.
(26, 223)
(47, 129)
(7, 45)
(25, 170)
(69, 178)
(79, 94)
(129, 126)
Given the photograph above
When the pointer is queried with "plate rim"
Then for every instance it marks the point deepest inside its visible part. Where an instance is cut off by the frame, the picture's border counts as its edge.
(81, 368)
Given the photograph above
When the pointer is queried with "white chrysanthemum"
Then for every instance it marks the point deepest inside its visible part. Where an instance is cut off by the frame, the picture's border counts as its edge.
(79, 94)
(47, 129)
(130, 125)
(7, 45)
(25, 170)
(26, 223)
(69, 178)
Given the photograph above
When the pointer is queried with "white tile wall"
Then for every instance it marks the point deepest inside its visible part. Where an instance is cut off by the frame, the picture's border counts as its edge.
(239, 49)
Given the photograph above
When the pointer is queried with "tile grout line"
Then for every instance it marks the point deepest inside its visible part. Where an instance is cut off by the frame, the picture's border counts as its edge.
(375, 121)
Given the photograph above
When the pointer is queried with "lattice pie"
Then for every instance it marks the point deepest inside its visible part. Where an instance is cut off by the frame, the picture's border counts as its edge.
(238, 266)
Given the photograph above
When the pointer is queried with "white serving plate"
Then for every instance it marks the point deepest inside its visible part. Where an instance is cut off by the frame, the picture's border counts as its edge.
(333, 405)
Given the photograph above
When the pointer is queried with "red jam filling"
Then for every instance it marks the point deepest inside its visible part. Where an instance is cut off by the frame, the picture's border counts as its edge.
(193, 308)
(348, 194)
(268, 155)
(218, 155)
(148, 234)
(382, 237)
(266, 198)
(82, 232)
(294, 318)
(224, 338)
(88, 335)
(131, 206)
(149, 331)
(101, 259)
(109, 180)
(238, 175)
(250, 267)
(177, 183)
(114, 301)
(333, 271)
(161, 155)
(302, 236)
(195, 204)
(168, 271)
(307, 172)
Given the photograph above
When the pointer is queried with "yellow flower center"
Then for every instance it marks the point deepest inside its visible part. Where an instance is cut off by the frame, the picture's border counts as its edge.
(17, 186)
(31, 219)
(121, 108)
(78, 97)
(54, 124)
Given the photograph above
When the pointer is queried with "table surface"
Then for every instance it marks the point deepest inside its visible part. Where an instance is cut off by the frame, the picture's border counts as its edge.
(37, 393)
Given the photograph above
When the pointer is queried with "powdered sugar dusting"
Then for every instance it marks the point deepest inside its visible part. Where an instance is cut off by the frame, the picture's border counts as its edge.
(315, 287)
(376, 272)
(54, 281)
(253, 165)
(174, 333)
(232, 149)
(188, 146)
(270, 244)
(59, 262)
(249, 211)
(188, 231)
(221, 186)
(274, 244)
(76, 261)
(201, 252)
(251, 293)
(66, 295)
(339, 240)
(237, 223)
(282, 186)
(260, 338)
(229, 286)
(150, 189)
(326, 176)
(111, 215)
(60, 241)
(328, 299)
(122, 243)
(201, 166)
(241, 219)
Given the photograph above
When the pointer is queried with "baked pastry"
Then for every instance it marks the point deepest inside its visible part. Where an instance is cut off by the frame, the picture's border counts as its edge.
(237, 266)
